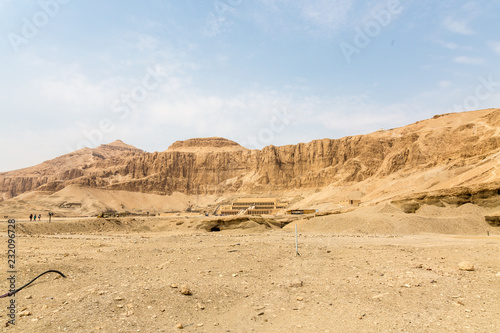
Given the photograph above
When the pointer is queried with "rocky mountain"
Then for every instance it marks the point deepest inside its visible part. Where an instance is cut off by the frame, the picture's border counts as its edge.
(55, 174)
(457, 152)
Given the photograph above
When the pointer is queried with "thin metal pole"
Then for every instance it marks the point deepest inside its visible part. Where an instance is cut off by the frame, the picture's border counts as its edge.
(296, 242)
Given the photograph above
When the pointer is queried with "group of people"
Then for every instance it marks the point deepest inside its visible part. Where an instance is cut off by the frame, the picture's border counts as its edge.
(33, 217)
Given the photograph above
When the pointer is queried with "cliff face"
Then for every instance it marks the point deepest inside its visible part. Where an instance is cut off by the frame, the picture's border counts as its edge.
(216, 165)
(55, 174)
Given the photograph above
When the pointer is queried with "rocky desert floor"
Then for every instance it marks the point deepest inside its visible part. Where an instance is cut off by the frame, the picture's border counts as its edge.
(172, 275)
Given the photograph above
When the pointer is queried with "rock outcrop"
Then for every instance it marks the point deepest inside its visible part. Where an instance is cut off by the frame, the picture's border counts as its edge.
(54, 175)
(209, 144)
(448, 143)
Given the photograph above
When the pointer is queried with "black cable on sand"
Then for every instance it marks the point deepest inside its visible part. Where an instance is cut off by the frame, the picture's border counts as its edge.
(10, 293)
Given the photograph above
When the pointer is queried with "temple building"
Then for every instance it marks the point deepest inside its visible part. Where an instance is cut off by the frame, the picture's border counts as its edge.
(252, 206)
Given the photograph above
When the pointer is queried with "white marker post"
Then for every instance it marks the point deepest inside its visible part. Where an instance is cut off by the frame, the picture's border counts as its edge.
(296, 242)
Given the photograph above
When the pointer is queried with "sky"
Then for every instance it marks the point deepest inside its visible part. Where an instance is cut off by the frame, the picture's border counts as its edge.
(77, 73)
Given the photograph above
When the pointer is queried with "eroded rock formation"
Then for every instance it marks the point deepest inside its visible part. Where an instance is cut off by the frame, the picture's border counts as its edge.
(217, 165)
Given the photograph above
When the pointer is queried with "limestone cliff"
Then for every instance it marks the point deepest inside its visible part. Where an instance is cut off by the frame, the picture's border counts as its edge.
(462, 141)
(54, 175)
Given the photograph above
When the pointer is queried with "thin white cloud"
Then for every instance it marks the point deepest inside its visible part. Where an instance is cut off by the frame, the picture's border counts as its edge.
(448, 45)
(362, 115)
(4, 2)
(445, 84)
(316, 17)
(216, 25)
(458, 26)
(74, 89)
(220, 18)
(330, 14)
(468, 60)
(33, 145)
(495, 46)
(147, 43)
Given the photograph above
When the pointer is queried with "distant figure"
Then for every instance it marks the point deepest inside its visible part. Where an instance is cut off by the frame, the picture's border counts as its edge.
(31, 217)
(39, 217)
(34, 217)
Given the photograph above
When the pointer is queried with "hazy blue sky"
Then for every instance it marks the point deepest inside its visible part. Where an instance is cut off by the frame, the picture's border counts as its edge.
(77, 73)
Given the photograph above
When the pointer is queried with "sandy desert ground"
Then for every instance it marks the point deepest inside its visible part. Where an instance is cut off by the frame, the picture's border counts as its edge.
(353, 274)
